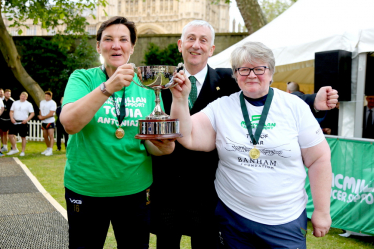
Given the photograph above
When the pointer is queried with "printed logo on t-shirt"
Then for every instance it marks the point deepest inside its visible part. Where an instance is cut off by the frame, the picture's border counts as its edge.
(255, 119)
(133, 105)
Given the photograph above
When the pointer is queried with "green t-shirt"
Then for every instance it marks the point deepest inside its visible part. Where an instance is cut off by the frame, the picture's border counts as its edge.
(99, 164)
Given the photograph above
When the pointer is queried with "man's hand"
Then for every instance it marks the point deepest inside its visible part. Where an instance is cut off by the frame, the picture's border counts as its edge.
(321, 223)
(24, 121)
(13, 120)
(160, 147)
(326, 99)
(40, 117)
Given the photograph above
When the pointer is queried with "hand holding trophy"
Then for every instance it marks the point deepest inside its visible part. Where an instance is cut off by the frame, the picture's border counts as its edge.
(158, 125)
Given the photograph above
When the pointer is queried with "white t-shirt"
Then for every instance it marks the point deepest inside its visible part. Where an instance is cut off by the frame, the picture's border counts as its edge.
(45, 108)
(1, 103)
(21, 109)
(270, 189)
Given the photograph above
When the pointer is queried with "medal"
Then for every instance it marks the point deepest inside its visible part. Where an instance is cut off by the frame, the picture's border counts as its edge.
(254, 153)
(120, 110)
(120, 133)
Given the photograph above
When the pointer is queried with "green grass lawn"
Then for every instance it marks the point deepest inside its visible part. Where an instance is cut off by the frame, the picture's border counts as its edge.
(50, 170)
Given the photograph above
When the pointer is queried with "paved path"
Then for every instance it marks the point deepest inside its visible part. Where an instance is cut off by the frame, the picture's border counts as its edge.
(29, 216)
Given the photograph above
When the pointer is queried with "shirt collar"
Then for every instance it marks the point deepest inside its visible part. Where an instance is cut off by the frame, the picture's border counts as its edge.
(200, 76)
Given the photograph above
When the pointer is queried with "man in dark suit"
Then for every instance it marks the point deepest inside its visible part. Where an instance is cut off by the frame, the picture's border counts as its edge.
(325, 99)
(183, 194)
(368, 122)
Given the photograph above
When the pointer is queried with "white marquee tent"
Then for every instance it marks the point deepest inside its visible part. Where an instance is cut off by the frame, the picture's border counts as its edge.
(311, 26)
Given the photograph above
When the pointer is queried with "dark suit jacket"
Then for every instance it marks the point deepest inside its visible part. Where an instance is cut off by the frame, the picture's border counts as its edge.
(367, 132)
(183, 194)
(309, 99)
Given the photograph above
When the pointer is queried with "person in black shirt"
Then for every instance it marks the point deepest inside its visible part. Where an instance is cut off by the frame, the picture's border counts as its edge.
(60, 129)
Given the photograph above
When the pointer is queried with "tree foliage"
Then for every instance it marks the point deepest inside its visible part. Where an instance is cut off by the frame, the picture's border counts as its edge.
(167, 56)
(66, 17)
(51, 65)
(69, 14)
(273, 8)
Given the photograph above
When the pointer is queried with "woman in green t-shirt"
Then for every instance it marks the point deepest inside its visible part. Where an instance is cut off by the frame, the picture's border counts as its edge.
(108, 172)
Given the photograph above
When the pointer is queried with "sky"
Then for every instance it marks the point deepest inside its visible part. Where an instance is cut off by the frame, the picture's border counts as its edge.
(235, 13)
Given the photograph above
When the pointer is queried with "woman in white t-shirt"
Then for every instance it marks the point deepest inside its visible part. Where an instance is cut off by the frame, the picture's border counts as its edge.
(264, 137)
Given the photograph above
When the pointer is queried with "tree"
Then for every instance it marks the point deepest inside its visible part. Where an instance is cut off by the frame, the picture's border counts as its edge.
(257, 13)
(167, 56)
(51, 14)
(272, 8)
(252, 14)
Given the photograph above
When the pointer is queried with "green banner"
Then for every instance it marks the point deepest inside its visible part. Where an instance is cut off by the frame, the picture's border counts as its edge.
(352, 193)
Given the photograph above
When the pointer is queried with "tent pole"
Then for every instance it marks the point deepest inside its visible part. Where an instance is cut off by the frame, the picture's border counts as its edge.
(361, 75)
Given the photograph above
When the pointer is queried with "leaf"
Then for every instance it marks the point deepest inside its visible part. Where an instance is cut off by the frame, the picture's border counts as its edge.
(20, 32)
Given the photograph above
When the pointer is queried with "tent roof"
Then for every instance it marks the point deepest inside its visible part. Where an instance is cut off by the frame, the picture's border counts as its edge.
(310, 26)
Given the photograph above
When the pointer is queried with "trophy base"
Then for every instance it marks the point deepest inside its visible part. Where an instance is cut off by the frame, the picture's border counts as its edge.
(158, 137)
(158, 129)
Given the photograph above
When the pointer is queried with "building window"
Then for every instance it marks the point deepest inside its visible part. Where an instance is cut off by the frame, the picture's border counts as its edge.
(51, 32)
(14, 31)
(91, 30)
(31, 30)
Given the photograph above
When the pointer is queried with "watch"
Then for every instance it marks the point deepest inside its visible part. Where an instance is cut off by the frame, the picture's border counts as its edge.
(103, 89)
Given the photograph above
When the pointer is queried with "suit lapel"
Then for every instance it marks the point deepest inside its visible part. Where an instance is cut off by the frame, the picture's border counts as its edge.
(208, 91)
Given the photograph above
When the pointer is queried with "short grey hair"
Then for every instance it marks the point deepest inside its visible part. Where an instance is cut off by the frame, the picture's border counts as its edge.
(293, 86)
(199, 23)
(252, 52)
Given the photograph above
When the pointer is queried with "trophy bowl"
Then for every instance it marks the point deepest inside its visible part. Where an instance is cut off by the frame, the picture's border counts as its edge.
(157, 125)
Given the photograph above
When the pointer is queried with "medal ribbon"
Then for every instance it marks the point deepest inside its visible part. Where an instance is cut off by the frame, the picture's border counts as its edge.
(264, 115)
(120, 111)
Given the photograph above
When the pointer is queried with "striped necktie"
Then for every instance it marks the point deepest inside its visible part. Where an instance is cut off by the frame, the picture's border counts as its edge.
(193, 93)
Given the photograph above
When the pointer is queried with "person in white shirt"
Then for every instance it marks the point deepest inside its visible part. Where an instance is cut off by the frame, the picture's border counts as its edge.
(20, 113)
(264, 137)
(1, 106)
(47, 116)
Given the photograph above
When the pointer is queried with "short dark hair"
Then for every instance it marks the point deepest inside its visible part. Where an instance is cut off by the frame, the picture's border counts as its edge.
(49, 93)
(118, 20)
(7, 90)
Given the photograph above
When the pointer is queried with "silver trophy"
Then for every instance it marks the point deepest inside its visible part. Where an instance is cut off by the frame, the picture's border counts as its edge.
(158, 125)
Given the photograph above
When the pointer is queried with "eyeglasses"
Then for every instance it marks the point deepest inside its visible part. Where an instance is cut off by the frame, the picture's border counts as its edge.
(245, 71)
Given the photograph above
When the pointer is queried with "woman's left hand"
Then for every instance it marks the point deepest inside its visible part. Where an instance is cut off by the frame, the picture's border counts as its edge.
(321, 222)
(158, 147)
(183, 88)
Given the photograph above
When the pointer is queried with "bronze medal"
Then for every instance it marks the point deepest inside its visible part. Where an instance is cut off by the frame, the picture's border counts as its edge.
(120, 133)
(254, 153)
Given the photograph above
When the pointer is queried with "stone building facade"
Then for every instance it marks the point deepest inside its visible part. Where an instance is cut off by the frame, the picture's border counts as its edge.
(150, 16)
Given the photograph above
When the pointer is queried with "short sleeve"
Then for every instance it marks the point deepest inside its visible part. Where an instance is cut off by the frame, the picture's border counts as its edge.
(54, 107)
(78, 86)
(209, 111)
(31, 108)
(310, 133)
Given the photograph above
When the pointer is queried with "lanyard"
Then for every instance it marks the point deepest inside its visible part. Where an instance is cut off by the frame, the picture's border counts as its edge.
(120, 111)
(264, 115)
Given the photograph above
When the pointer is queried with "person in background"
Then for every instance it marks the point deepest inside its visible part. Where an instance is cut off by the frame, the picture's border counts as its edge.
(21, 112)
(1, 112)
(47, 116)
(330, 124)
(60, 129)
(5, 122)
(108, 172)
(368, 122)
(264, 137)
(313, 100)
